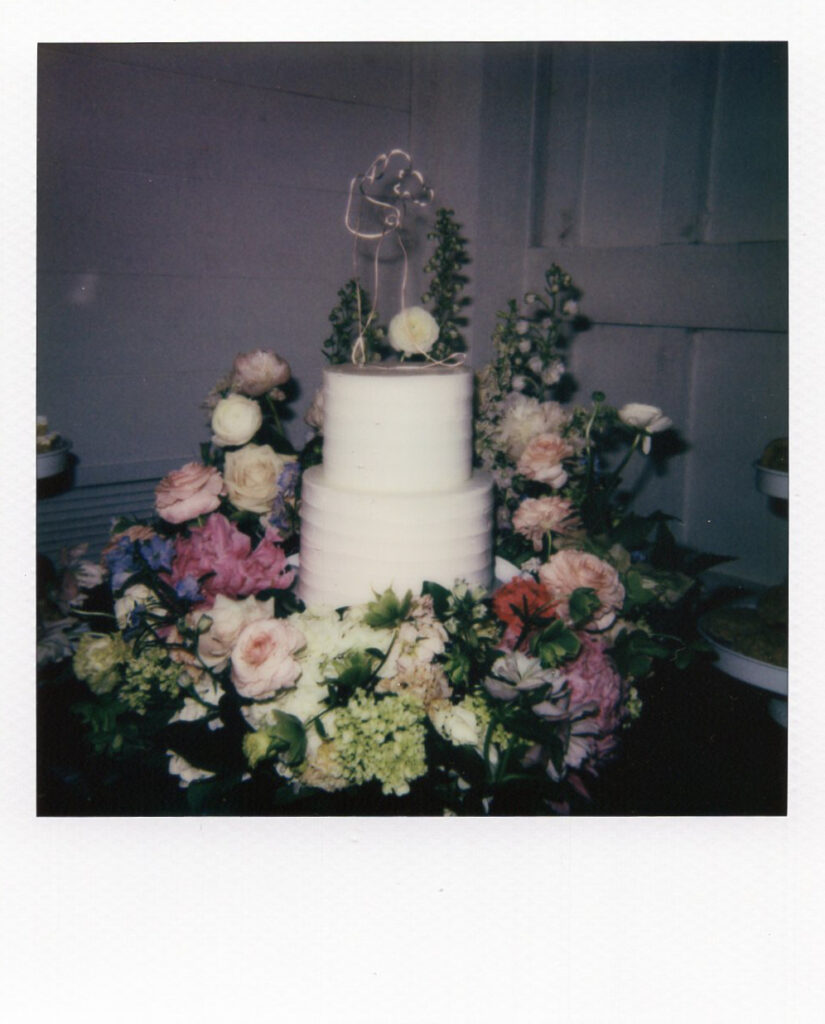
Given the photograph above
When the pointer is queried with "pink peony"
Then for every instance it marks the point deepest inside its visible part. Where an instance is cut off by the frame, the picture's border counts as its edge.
(535, 517)
(569, 570)
(256, 373)
(262, 661)
(221, 548)
(595, 687)
(189, 492)
(542, 460)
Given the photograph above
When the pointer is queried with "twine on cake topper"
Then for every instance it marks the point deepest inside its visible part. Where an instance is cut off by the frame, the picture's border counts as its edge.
(408, 187)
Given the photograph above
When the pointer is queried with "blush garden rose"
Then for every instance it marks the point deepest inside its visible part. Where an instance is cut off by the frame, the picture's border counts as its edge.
(568, 570)
(262, 661)
(189, 492)
(542, 460)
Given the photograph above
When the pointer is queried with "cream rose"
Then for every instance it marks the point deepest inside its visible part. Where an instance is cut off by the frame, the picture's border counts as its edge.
(189, 492)
(543, 457)
(235, 421)
(256, 373)
(251, 477)
(535, 517)
(413, 331)
(220, 627)
(262, 662)
(570, 570)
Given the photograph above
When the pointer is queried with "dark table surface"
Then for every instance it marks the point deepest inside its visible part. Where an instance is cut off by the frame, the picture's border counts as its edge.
(704, 745)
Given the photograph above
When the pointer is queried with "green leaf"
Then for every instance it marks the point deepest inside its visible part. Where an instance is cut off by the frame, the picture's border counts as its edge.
(387, 610)
(583, 603)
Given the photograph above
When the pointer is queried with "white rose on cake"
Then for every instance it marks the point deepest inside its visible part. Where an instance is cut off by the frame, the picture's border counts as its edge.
(413, 331)
(235, 421)
(251, 477)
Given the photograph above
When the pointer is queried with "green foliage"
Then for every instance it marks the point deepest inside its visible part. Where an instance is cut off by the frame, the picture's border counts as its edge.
(583, 603)
(447, 282)
(345, 326)
(555, 644)
(387, 611)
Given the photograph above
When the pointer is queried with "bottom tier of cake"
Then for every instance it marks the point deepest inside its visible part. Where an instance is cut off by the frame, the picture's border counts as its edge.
(354, 545)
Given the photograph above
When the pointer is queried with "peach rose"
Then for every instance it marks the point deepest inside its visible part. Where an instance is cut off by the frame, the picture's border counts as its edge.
(189, 492)
(542, 460)
(569, 570)
(262, 661)
(251, 477)
(256, 373)
(535, 517)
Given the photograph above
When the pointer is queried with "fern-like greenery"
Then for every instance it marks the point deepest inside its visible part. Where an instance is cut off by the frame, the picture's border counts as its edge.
(448, 280)
(345, 327)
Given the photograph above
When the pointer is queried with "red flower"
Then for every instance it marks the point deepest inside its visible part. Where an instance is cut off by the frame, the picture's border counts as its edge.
(523, 605)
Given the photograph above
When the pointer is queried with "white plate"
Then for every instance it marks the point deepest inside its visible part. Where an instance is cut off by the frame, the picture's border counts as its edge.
(772, 481)
(749, 670)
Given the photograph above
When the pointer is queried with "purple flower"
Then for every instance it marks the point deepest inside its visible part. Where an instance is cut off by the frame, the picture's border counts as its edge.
(187, 588)
(120, 561)
(158, 552)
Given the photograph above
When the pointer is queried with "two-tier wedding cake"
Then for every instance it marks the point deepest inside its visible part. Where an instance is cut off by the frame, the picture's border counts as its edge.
(396, 501)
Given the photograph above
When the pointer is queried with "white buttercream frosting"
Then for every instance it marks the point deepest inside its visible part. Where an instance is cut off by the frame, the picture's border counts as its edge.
(398, 429)
(396, 502)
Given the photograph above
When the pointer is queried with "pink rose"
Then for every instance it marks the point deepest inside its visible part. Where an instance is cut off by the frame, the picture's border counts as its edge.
(569, 570)
(262, 661)
(255, 373)
(189, 492)
(220, 548)
(542, 460)
(535, 517)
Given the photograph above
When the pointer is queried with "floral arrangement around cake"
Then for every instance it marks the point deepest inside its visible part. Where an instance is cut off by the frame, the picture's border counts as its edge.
(475, 699)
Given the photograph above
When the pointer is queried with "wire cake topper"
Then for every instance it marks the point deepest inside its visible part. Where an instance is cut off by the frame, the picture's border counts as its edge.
(369, 192)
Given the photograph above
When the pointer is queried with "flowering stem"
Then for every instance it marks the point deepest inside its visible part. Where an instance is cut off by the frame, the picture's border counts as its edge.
(615, 475)
(273, 411)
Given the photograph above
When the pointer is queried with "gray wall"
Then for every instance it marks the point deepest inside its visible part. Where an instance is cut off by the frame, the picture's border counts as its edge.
(191, 202)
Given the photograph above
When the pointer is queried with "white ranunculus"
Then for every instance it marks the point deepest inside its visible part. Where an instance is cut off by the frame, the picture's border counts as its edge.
(235, 420)
(413, 331)
(644, 417)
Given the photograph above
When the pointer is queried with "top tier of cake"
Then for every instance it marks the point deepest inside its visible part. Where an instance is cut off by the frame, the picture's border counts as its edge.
(404, 429)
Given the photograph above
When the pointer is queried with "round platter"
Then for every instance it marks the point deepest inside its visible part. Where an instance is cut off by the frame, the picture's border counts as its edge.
(772, 482)
(748, 670)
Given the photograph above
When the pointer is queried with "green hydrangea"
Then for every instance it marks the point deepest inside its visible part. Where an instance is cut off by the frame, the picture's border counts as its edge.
(149, 675)
(382, 739)
(98, 659)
